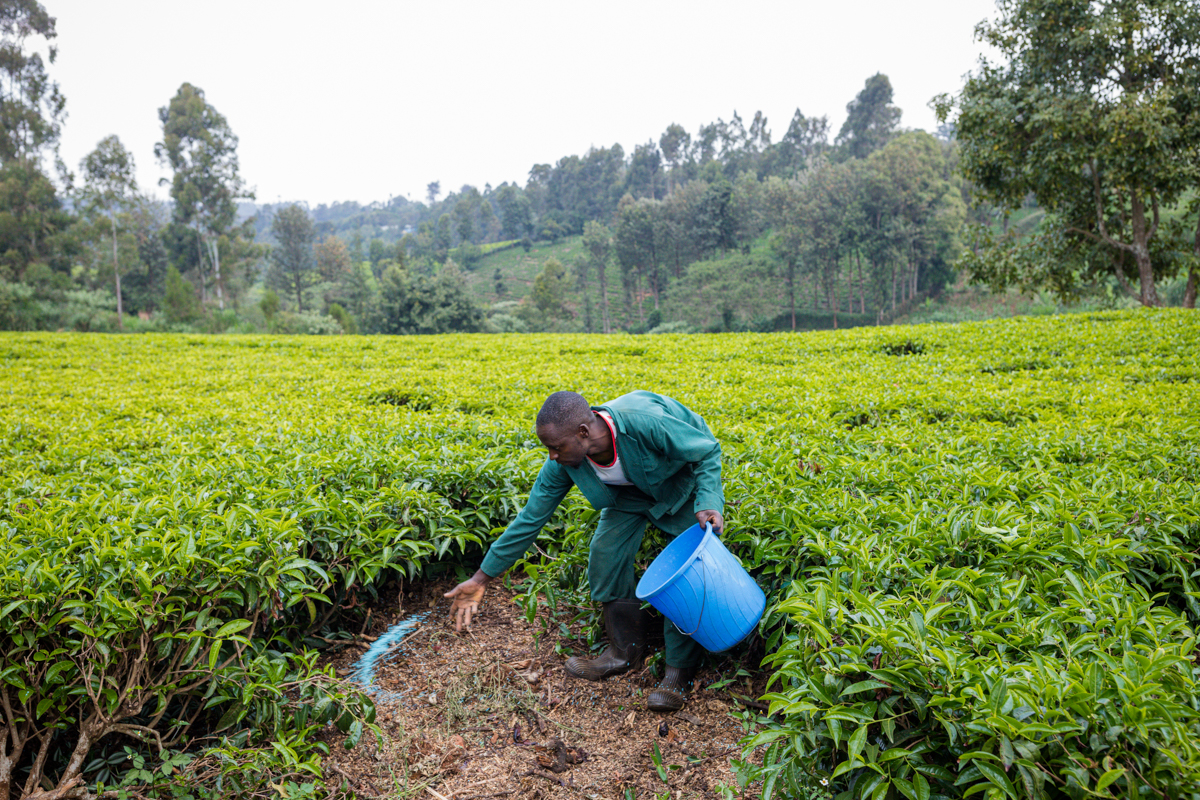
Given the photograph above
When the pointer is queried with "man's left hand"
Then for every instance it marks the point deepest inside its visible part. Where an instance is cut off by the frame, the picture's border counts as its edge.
(718, 522)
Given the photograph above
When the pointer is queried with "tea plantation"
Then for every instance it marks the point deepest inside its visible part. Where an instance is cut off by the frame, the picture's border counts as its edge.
(978, 542)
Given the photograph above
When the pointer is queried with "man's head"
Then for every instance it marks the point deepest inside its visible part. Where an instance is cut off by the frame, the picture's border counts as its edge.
(564, 427)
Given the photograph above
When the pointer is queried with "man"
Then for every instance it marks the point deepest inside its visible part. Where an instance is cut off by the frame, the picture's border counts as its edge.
(640, 458)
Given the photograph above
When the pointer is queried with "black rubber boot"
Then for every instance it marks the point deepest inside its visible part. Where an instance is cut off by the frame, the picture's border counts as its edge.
(624, 622)
(671, 694)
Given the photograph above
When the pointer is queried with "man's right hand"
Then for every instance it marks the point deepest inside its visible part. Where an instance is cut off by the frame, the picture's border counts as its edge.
(467, 596)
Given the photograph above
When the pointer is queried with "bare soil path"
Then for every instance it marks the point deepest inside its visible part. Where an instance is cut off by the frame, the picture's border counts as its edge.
(490, 713)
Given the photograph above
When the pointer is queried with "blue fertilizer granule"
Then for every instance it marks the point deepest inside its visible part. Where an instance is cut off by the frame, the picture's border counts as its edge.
(384, 649)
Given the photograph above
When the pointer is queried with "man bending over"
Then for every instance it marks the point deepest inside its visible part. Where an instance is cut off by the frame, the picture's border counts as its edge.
(640, 458)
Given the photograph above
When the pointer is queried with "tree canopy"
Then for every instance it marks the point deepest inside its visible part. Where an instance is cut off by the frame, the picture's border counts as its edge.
(1094, 111)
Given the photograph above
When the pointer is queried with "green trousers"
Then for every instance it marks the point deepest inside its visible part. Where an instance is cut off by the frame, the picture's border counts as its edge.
(611, 554)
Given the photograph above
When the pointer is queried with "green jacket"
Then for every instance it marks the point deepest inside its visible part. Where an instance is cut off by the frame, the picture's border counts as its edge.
(667, 451)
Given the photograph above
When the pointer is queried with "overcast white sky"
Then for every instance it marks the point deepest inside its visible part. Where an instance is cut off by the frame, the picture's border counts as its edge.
(362, 100)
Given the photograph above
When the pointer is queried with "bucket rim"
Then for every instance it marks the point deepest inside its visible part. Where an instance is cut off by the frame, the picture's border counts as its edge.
(687, 562)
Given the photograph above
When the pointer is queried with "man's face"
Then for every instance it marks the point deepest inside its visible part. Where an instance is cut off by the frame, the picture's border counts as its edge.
(567, 447)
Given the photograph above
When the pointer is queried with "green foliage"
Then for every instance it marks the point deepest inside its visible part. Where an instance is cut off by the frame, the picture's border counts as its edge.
(33, 225)
(31, 106)
(871, 119)
(549, 289)
(1090, 109)
(419, 304)
(978, 541)
(179, 301)
(269, 304)
(201, 150)
(343, 317)
(293, 263)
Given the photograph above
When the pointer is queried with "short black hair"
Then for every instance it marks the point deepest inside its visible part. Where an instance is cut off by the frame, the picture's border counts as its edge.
(564, 410)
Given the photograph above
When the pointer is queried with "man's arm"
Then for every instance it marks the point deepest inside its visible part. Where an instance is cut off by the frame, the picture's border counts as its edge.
(551, 486)
(549, 489)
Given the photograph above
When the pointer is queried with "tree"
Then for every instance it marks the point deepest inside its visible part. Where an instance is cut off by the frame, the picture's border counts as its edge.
(634, 246)
(488, 226)
(581, 266)
(292, 264)
(550, 289)
(418, 304)
(432, 190)
(1095, 112)
(871, 119)
(31, 106)
(464, 214)
(597, 250)
(109, 185)
(201, 150)
(515, 212)
(358, 288)
(33, 225)
(378, 251)
(909, 215)
(32, 222)
(333, 259)
(442, 238)
(269, 305)
(179, 299)
(713, 223)
(143, 288)
(644, 166)
(829, 209)
(784, 202)
(806, 138)
(674, 144)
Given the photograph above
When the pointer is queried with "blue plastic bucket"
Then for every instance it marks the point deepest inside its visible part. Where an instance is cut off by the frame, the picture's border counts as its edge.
(701, 587)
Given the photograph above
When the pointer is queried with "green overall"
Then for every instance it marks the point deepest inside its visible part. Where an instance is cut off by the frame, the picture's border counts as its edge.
(674, 464)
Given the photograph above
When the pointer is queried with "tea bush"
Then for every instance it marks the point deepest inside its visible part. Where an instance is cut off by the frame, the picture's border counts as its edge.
(978, 541)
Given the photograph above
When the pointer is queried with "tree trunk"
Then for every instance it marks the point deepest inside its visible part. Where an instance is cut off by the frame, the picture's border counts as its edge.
(91, 731)
(637, 296)
(833, 303)
(1141, 253)
(792, 293)
(604, 298)
(1189, 294)
(851, 286)
(216, 260)
(893, 287)
(200, 269)
(862, 285)
(117, 274)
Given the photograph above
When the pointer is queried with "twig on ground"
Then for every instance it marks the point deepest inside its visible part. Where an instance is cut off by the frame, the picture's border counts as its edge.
(746, 701)
(355, 783)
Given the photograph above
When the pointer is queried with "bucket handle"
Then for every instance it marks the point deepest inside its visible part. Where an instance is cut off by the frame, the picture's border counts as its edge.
(704, 594)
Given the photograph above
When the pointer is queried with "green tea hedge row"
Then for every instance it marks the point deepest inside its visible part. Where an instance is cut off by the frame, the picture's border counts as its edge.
(978, 540)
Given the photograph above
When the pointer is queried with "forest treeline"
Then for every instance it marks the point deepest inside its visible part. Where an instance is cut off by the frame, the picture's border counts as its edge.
(861, 224)
(725, 227)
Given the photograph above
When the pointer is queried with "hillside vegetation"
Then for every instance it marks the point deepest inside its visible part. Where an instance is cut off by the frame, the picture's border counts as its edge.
(978, 541)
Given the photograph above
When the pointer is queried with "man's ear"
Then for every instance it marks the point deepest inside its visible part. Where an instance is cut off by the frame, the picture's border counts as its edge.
(584, 432)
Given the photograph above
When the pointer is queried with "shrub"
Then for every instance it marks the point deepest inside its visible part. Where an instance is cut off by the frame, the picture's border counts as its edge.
(980, 554)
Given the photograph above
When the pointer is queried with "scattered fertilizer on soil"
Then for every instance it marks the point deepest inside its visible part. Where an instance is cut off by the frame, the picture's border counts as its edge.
(491, 713)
